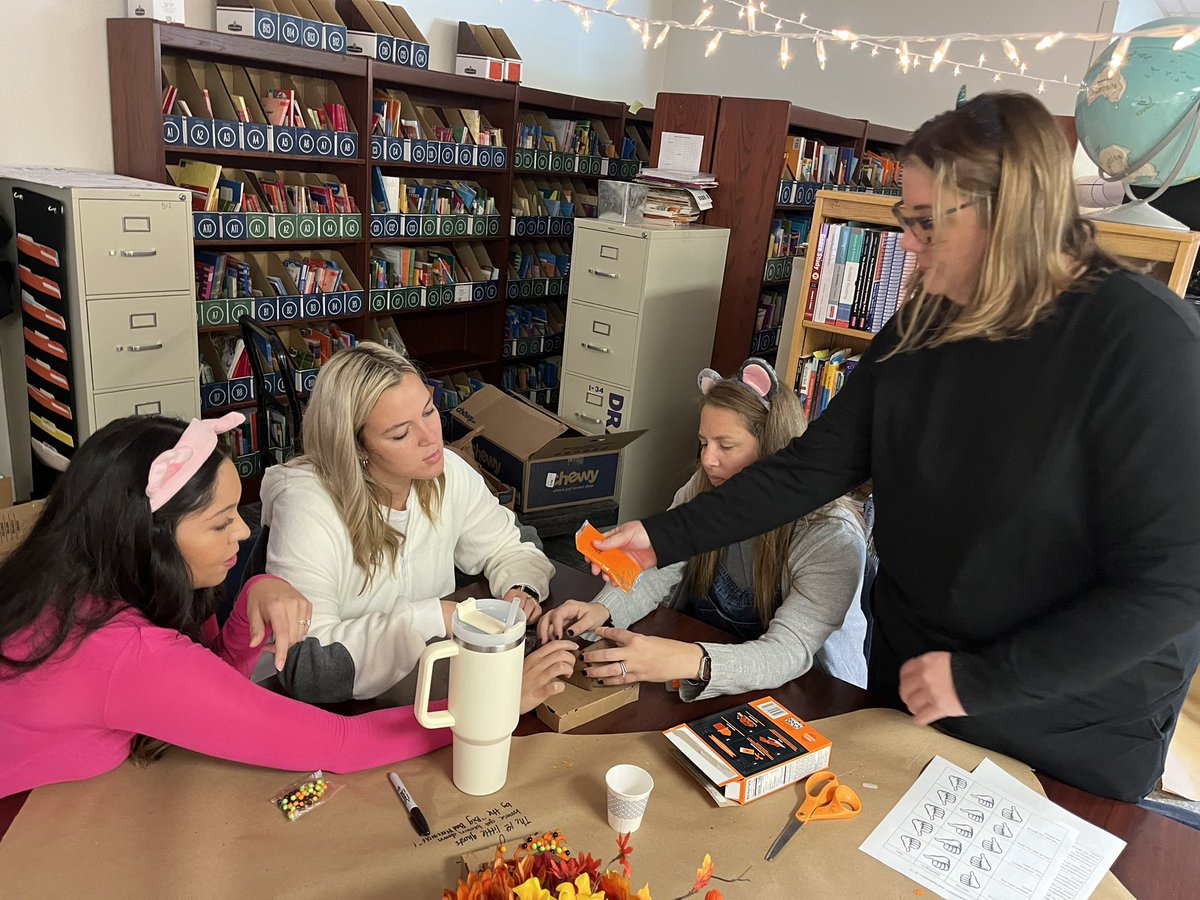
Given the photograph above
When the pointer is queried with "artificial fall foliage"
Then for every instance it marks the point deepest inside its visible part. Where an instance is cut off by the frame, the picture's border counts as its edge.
(544, 868)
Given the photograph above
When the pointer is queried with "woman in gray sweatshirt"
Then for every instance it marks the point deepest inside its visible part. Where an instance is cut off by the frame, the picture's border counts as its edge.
(790, 595)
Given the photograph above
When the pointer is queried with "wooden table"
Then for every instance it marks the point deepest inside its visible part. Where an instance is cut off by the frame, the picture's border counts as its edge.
(1163, 856)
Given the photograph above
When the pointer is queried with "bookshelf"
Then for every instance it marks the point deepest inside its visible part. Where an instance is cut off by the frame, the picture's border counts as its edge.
(747, 161)
(448, 332)
(1169, 256)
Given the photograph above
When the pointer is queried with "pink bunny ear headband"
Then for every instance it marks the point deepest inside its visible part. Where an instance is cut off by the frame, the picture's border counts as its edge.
(755, 375)
(173, 468)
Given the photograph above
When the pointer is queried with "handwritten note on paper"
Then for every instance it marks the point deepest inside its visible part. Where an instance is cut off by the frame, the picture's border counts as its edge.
(970, 839)
(496, 824)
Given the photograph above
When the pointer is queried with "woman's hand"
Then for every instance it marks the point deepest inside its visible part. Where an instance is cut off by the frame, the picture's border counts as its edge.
(274, 605)
(545, 668)
(571, 618)
(632, 538)
(927, 688)
(646, 658)
(531, 607)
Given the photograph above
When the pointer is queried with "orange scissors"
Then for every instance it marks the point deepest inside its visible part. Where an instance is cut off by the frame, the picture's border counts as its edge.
(824, 798)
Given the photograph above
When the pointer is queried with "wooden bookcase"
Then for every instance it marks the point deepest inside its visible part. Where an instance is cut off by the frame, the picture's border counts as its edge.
(747, 161)
(1169, 256)
(446, 339)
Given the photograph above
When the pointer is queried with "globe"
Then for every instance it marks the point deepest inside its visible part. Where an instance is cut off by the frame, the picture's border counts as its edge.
(1122, 116)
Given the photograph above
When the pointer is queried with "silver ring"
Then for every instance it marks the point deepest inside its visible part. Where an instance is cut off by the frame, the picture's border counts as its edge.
(306, 622)
(624, 671)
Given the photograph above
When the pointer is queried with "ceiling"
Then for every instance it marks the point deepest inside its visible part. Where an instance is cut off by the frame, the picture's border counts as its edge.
(1179, 7)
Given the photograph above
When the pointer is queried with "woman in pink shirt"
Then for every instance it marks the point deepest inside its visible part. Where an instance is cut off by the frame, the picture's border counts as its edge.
(107, 639)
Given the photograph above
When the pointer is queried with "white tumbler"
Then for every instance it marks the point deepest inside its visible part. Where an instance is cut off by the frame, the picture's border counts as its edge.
(487, 658)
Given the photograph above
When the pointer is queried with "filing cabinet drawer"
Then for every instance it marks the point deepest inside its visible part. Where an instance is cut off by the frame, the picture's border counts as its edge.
(135, 246)
(600, 342)
(180, 400)
(591, 406)
(142, 340)
(608, 269)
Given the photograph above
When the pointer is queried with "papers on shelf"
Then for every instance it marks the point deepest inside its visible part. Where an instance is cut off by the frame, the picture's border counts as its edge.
(677, 178)
(985, 835)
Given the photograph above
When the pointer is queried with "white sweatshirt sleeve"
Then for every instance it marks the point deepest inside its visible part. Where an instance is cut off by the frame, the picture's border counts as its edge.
(345, 655)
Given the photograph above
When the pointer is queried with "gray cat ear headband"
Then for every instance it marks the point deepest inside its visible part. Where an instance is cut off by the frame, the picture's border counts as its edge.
(756, 375)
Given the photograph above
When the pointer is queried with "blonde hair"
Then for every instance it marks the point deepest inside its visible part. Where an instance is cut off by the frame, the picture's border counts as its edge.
(347, 389)
(774, 429)
(1005, 152)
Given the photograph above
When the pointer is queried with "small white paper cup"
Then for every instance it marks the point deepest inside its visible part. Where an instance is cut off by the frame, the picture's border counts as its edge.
(628, 791)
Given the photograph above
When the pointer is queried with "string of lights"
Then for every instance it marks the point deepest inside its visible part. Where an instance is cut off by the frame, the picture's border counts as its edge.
(756, 22)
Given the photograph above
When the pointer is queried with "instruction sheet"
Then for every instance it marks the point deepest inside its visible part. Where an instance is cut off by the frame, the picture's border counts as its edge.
(978, 838)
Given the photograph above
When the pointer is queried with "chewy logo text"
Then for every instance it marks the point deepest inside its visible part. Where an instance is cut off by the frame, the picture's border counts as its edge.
(564, 479)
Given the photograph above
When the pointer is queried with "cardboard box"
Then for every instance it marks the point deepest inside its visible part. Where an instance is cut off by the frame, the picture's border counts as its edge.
(506, 496)
(6, 492)
(477, 55)
(539, 454)
(15, 524)
(751, 750)
(163, 10)
(512, 59)
(583, 700)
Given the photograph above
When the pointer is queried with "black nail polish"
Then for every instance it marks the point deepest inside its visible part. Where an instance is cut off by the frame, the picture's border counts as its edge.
(571, 632)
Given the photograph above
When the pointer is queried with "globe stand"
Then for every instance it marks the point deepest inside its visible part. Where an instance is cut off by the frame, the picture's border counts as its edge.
(1139, 211)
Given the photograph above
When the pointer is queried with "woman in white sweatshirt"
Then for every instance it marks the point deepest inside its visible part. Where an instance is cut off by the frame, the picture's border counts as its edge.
(369, 525)
(790, 596)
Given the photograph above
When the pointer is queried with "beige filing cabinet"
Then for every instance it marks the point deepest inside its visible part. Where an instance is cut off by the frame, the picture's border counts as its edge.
(641, 311)
(106, 308)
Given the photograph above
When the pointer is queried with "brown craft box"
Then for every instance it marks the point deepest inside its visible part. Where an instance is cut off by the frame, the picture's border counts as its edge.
(577, 706)
(15, 524)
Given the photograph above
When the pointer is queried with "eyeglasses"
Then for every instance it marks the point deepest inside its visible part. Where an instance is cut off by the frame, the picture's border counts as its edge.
(922, 226)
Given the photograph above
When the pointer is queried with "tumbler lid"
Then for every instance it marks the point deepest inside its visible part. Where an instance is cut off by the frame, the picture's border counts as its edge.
(482, 624)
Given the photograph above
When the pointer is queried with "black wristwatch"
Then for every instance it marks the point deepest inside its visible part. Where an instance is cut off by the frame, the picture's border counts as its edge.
(537, 598)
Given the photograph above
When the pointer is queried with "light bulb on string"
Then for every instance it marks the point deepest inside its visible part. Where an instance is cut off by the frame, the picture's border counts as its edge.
(1048, 41)
(982, 60)
(1041, 87)
(587, 21)
(662, 36)
(902, 52)
(785, 56)
(820, 53)
(609, 4)
(703, 17)
(939, 54)
(1010, 51)
(713, 44)
(995, 77)
(1118, 56)
(645, 35)
(854, 45)
(634, 25)
(751, 12)
(844, 34)
(778, 24)
(1187, 40)
(1023, 67)
(875, 50)
(957, 70)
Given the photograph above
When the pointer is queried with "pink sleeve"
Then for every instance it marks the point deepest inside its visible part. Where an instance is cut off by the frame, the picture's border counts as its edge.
(165, 686)
(232, 642)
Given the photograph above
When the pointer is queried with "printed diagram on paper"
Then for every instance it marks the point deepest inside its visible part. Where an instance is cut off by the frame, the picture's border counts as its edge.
(966, 839)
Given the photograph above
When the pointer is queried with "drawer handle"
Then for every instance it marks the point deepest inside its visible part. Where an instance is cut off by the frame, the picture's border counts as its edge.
(130, 253)
(580, 415)
(141, 348)
(604, 274)
(595, 347)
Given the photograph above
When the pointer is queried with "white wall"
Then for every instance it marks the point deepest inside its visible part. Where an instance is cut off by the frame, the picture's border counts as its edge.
(859, 86)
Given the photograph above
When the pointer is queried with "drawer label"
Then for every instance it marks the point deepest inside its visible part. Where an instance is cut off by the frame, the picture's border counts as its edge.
(608, 252)
(599, 327)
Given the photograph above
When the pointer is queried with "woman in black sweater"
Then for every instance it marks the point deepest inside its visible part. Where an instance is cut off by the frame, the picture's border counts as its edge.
(1030, 420)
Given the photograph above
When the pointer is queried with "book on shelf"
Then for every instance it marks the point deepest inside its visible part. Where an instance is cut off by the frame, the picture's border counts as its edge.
(856, 276)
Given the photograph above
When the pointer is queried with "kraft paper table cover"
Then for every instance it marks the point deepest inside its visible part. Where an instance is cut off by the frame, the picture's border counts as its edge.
(190, 826)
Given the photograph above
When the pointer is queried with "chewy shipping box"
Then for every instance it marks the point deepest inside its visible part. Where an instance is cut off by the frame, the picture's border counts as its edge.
(539, 454)
(15, 523)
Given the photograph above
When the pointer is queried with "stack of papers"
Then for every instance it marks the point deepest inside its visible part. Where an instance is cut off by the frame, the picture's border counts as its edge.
(983, 835)
(677, 178)
(677, 205)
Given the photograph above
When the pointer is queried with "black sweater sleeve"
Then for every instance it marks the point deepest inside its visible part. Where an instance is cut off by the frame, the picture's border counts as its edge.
(1143, 468)
(829, 459)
